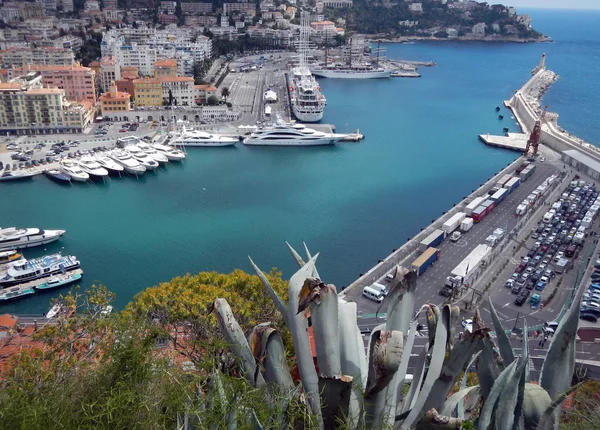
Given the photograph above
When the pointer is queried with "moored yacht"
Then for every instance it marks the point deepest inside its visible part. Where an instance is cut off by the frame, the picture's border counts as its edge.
(202, 138)
(153, 153)
(72, 169)
(15, 293)
(173, 154)
(60, 280)
(9, 257)
(15, 176)
(130, 164)
(109, 164)
(90, 166)
(284, 134)
(13, 238)
(57, 175)
(140, 156)
(28, 270)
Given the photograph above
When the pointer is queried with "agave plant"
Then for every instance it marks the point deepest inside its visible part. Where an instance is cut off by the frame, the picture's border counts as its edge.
(360, 388)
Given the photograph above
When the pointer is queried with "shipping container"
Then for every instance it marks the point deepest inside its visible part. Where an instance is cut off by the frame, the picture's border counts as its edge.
(466, 224)
(526, 173)
(467, 268)
(475, 203)
(479, 213)
(434, 239)
(424, 261)
(522, 167)
(512, 184)
(499, 196)
(489, 206)
(503, 181)
(453, 223)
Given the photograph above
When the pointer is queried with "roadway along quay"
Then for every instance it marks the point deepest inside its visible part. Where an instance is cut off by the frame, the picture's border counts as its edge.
(450, 253)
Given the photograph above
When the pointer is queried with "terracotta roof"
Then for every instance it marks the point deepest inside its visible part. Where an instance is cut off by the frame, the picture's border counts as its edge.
(94, 64)
(10, 86)
(45, 91)
(146, 81)
(8, 321)
(205, 87)
(321, 23)
(166, 63)
(176, 79)
(50, 68)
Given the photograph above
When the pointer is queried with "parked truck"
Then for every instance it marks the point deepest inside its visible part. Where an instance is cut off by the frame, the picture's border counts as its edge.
(512, 184)
(479, 213)
(452, 283)
(499, 195)
(454, 222)
(522, 209)
(467, 268)
(503, 180)
(527, 172)
(424, 260)
(466, 225)
(489, 206)
(475, 203)
(433, 240)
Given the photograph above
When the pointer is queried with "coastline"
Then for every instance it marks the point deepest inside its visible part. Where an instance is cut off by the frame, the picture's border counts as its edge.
(463, 39)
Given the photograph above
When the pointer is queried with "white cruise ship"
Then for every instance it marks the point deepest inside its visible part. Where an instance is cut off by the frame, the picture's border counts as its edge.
(284, 134)
(28, 270)
(202, 138)
(306, 98)
(17, 238)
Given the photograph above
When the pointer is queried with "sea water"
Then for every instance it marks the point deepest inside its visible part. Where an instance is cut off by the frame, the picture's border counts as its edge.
(353, 203)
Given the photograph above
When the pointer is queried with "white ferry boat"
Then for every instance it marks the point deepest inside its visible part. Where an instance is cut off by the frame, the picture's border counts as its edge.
(202, 138)
(307, 100)
(17, 238)
(28, 270)
(285, 134)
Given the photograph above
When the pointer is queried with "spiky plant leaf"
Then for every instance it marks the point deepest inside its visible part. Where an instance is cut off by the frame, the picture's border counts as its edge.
(506, 408)
(535, 403)
(433, 317)
(506, 350)
(451, 404)
(269, 353)
(299, 261)
(235, 337)
(489, 366)
(353, 359)
(385, 352)
(460, 409)
(519, 421)
(335, 398)
(411, 397)
(454, 316)
(281, 307)
(489, 407)
(438, 352)
(401, 300)
(256, 425)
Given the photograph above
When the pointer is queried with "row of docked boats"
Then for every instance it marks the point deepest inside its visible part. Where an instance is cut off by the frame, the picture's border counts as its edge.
(133, 159)
(20, 277)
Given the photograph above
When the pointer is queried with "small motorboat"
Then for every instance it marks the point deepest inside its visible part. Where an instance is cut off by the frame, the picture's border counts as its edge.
(505, 129)
(15, 293)
(58, 176)
(173, 154)
(15, 176)
(497, 108)
(54, 311)
(500, 116)
(130, 164)
(9, 256)
(60, 280)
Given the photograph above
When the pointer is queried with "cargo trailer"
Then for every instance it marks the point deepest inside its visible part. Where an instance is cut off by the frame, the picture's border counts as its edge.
(475, 203)
(503, 181)
(489, 206)
(424, 260)
(467, 268)
(512, 184)
(466, 224)
(499, 196)
(453, 223)
(479, 213)
(434, 239)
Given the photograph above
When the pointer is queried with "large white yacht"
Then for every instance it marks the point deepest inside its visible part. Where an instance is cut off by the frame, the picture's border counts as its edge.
(17, 238)
(306, 99)
(173, 154)
(109, 164)
(72, 169)
(90, 166)
(144, 159)
(130, 164)
(153, 153)
(284, 134)
(202, 138)
(28, 270)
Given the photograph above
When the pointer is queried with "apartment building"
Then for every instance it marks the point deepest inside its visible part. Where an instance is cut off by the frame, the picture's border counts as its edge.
(18, 57)
(78, 82)
(181, 88)
(114, 102)
(165, 68)
(191, 8)
(110, 71)
(203, 92)
(229, 8)
(28, 110)
(148, 92)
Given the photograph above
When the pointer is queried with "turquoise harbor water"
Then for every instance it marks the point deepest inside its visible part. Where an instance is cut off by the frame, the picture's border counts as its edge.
(354, 203)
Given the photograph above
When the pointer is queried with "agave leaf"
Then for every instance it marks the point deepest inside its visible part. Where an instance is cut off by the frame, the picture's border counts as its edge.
(385, 353)
(557, 368)
(271, 292)
(335, 395)
(324, 316)
(256, 425)
(453, 366)
(432, 420)
(489, 407)
(235, 337)
(456, 399)
(433, 318)
(506, 350)
(401, 300)
(489, 366)
(525, 349)
(415, 385)
(506, 407)
(550, 411)
(438, 352)
(519, 421)
(353, 360)
(306, 250)
(299, 261)
(454, 315)
(269, 353)
(460, 410)
(299, 330)
(232, 416)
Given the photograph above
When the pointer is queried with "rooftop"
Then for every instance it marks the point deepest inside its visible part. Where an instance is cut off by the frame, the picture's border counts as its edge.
(146, 81)
(177, 79)
(583, 159)
(166, 63)
(8, 321)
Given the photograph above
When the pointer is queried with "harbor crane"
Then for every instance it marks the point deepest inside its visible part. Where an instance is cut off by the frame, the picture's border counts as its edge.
(534, 139)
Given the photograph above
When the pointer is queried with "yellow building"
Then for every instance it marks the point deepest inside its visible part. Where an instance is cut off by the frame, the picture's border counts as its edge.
(165, 68)
(148, 92)
(115, 103)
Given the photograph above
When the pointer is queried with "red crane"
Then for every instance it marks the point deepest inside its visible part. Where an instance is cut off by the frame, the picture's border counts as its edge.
(534, 140)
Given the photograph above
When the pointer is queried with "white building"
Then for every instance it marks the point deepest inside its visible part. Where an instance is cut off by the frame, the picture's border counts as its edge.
(452, 32)
(479, 29)
(415, 7)
(336, 4)
(181, 88)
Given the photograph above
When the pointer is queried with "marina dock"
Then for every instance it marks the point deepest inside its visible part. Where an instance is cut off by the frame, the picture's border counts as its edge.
(512, 141)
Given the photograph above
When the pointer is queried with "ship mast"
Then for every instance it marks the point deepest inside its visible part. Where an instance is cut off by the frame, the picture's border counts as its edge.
(304, 38)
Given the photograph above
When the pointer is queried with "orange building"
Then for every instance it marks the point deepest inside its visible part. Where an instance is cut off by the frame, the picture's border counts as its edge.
(165, 68)
(115, 102)
(203, 92)
(128, 75)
